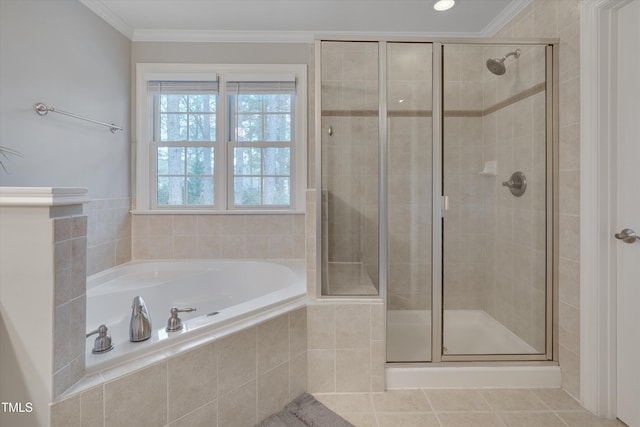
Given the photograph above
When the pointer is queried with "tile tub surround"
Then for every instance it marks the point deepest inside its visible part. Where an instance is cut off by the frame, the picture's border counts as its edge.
(70, 282)
(235, 380)
(108, 233)
(346, 345)
(237, 236)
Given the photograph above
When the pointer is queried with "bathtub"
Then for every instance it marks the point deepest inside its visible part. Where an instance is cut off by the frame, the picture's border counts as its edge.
(223, 292)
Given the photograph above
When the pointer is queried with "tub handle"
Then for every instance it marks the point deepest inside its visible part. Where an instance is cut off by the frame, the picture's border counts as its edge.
(103, 341)
(175, 323)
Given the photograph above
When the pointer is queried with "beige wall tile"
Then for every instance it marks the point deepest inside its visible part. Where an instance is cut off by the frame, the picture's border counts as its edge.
(321, 326)
(298, 332)
(193, 380)
(185, 247)
(160, 225)
(273, 390)
(184, 225)
(160, 246)
(205, 416)
(298, 368)
(321, 371)
(353, 323)
(137, 399)
(238, 408)
(237, 358)
(66, 413)
(353, 370)
(273, 343)
(91, 407)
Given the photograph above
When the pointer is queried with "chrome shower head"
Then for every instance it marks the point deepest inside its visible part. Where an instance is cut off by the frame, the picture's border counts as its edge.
(496, 65)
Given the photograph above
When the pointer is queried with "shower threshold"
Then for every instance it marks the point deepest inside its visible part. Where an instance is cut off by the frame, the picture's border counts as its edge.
(466, 332)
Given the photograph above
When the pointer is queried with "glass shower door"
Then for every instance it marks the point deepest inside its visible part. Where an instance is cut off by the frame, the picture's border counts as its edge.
(350, 175)
(495, 236)
(409, 201)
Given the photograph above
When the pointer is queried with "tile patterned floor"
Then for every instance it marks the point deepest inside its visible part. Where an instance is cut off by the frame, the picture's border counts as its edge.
(463, 408)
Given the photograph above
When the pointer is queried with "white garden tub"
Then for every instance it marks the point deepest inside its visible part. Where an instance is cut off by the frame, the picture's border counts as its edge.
(224, 292)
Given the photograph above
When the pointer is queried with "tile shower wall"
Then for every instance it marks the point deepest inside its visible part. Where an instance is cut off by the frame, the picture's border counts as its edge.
(218, 236)
(234, 381)
(549, 18)
(494, 242)
(69, 253)
(515, 227)
(108, 233)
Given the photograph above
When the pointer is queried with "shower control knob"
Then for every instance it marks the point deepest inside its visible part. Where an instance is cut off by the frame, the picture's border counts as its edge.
(627, 235)
(517, 184)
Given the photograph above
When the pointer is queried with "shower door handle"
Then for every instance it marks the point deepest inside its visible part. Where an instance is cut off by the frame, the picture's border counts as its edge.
(627, 235)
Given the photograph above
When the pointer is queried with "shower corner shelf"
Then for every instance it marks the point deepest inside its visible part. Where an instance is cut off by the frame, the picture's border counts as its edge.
(490, 168)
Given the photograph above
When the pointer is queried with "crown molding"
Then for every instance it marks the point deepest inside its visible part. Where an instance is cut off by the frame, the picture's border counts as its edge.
(212, 36)
(100, 9)
(504, 17)
(205, 36)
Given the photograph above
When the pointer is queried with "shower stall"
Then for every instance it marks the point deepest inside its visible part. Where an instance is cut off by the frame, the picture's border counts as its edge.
(437, 168)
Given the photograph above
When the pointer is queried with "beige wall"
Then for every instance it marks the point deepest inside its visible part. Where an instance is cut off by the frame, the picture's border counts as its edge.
(551, 18)
(62, 54)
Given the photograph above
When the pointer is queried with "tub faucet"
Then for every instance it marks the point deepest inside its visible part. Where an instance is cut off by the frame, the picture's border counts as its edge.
(103, 343)
(175, 323)
(140, 325)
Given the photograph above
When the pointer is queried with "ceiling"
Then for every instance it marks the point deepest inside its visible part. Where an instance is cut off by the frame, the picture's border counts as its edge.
(300, 20)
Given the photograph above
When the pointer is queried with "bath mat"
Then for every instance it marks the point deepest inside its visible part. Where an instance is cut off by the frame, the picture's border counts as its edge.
(305, 411)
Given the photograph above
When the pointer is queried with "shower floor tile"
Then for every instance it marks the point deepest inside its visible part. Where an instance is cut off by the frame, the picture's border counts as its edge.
(472, 408)
(349, 278)
(465, 332)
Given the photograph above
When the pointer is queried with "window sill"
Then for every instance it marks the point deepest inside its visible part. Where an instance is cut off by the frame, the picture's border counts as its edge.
(213, 212)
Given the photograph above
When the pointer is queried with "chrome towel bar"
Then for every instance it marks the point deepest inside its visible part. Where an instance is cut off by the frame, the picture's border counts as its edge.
(42, 110)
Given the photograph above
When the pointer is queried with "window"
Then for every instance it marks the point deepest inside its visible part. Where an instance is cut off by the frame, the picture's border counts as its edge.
(183, 114)
(261, 137)
(216, 138)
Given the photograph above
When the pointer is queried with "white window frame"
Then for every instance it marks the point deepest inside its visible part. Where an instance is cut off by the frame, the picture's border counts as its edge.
(144, 183)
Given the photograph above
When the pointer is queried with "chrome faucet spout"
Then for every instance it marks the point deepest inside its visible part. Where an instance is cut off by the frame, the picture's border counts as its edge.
(140, 324)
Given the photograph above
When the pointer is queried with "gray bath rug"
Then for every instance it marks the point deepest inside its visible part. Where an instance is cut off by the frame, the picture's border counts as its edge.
(305, 411)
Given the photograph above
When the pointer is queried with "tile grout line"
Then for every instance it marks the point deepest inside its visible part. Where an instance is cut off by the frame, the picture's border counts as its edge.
(433, 410)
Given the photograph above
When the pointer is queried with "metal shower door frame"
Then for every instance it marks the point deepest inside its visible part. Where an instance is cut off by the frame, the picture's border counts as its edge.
(550, 356)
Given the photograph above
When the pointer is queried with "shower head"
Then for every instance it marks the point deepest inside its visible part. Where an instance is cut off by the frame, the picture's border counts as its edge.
(496, 65)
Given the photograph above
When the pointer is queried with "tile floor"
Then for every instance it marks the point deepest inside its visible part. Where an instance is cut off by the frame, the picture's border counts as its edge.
(458, 408)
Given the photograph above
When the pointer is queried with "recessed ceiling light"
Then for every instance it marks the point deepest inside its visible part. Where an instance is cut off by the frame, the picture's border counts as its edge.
(442, 5)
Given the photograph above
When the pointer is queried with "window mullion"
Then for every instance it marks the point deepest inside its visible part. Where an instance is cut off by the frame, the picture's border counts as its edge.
(221, 159)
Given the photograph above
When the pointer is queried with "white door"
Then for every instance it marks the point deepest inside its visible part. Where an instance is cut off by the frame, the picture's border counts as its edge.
(628, 215)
